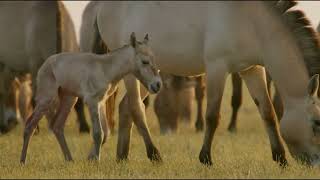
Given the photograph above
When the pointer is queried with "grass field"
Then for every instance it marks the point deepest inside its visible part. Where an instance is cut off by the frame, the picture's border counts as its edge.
(245, 154)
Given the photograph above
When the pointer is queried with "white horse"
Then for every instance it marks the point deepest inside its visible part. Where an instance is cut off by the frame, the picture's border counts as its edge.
(218, 38)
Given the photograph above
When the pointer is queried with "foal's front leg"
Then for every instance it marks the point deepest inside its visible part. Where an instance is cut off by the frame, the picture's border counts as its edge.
(97, 132)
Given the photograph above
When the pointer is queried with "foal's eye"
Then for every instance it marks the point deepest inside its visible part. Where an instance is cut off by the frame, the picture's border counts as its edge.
(145, 62)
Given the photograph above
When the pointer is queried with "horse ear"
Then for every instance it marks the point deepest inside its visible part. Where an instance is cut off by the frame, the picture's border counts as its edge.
(313, 85)
(146, 39)
(133, 40)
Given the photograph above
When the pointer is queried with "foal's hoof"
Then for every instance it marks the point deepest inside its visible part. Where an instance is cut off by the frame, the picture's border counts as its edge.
(154, 155)
(205, 158)
(93, 158)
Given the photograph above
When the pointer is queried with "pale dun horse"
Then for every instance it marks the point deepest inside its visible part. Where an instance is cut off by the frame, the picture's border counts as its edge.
(66, 76)
(41, 28)
(218, 38)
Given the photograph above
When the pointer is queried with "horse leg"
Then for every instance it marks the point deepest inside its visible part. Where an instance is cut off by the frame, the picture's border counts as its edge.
(109, 110)
(7, 97)
(41, 108)
(278, 104)
(185, 98)
(83, 125)
(166, 111)
(104, 121)
(235, 101)
(137, 110)
(255, 80)
(66, 104)
(146, 102)
(200, 93)
(124, 132)
(97, 131)
(216, 78)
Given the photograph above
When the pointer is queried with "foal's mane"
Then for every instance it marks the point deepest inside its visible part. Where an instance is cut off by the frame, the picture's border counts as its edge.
(300, 27)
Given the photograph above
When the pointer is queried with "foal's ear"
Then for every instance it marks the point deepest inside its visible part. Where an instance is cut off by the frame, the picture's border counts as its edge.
(133, 40)
(146, 39)
(313, 85)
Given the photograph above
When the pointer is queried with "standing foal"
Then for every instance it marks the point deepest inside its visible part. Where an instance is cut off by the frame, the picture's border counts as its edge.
(92, 77)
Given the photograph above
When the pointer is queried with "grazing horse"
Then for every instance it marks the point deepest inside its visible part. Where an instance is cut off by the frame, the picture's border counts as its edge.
(31, 32)
(66, 76)
(237, 96)
(218, 38)
(173, 102)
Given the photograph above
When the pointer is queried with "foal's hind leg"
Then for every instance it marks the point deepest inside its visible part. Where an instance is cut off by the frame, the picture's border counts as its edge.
(235, 101)
(83, 125)
(66, 104)
(41, 108)
(256, 82)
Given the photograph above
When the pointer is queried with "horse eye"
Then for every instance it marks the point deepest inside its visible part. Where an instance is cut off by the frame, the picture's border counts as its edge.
(145, 62)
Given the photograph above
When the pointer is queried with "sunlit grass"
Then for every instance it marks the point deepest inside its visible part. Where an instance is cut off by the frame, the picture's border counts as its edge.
(246, 154)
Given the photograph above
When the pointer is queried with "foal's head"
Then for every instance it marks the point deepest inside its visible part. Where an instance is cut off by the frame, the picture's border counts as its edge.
(144, 66)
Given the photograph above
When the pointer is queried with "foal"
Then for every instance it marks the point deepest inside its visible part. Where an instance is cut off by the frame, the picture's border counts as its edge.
(92, 77)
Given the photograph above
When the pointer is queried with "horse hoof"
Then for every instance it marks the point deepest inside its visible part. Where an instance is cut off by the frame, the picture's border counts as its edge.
(205, 158)
(154, 155)
(22, 161)
(232, 129)
(84, 129)
(199, 126)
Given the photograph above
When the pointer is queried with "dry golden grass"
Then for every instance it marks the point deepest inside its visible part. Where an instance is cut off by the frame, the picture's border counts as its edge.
(245, 154)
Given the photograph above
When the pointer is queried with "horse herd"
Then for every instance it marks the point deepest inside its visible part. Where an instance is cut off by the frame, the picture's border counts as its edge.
(196, 45)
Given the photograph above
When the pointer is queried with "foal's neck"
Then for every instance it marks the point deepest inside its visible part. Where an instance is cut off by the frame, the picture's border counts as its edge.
(118, 63)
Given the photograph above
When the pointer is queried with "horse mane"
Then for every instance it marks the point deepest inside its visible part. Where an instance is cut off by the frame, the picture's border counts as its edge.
(306, 37)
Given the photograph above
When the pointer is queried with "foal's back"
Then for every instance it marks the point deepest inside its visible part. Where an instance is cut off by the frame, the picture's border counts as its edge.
(72, 70)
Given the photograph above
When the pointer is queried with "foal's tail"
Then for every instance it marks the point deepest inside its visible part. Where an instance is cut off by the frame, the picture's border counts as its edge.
(99, 47)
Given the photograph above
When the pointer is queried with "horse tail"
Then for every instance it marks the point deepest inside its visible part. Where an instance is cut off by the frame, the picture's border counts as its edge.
(99, 47)
(60, 8)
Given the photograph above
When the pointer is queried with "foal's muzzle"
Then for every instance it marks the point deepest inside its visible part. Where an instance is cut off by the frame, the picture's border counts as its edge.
(155, 87)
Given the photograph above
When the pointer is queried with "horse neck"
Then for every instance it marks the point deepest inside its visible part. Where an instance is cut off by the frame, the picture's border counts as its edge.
(283, 59)
(118, 63)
